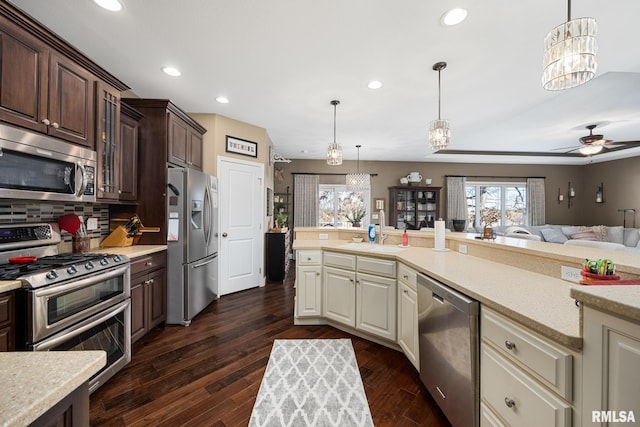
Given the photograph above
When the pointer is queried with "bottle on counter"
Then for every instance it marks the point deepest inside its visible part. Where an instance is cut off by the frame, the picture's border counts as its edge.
(372, 233)
(405, 238)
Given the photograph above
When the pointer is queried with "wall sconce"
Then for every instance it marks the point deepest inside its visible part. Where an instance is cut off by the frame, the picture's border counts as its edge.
(560, 196)
(600, 193)
(571, 193)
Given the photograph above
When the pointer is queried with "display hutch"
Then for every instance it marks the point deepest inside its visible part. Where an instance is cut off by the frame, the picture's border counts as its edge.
(413, 207)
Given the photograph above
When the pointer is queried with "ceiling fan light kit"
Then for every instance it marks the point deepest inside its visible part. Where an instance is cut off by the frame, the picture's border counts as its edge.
(334, 151)
(570, 53)
(439, 130)
(358, 181)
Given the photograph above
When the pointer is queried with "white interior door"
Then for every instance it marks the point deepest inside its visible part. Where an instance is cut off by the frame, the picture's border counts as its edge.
(240, 187)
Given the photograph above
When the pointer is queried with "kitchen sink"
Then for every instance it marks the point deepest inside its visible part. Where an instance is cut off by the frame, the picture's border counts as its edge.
(369, 247)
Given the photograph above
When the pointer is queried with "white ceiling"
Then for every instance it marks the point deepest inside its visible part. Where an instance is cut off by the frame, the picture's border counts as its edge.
(281, 62)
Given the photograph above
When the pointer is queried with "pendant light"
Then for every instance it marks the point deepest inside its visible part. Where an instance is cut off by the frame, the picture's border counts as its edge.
(570, 53)
(334, 152)
(358, 181)
(439, 131)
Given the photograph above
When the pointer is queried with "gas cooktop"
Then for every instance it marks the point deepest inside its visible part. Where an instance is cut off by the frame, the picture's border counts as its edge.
(58, 268)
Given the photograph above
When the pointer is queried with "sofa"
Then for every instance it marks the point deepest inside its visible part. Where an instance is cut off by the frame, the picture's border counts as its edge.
(615, 238)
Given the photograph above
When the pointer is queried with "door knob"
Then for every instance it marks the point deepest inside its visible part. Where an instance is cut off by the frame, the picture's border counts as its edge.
(224, 234)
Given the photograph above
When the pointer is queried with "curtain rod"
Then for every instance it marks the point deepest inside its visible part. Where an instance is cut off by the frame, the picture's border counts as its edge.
(325, 173)
(491, 176)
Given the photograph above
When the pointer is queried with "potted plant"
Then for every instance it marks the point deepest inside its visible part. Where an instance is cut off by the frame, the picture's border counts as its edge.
(355, 216)
(281, 220)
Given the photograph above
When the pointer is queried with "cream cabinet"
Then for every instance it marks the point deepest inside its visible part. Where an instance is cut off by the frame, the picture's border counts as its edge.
(360, 292)
(525, 379)
(612, 346)
(408, 314)
(309, 284)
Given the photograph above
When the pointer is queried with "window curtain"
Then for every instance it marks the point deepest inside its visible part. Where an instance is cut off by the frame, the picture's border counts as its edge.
(535, 201)
(306, 200)
(456, 199)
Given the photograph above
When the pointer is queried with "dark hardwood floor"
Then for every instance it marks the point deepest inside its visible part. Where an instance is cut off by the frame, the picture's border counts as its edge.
(208, 374)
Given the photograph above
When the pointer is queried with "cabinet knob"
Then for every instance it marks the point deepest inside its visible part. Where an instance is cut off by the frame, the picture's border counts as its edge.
(224, 234)
(55, 125)
(509, 402)
(317, 274)
(405, 291)
(119, 191)
(148, 264)
(510, 345)
(405, 277)
(46, 122)
(308, 258)
(152, 281)
(351, 280)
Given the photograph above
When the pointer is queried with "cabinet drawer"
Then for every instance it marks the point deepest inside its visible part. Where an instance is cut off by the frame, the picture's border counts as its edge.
(488, 418)
(339, 260)
(516, 397)
(380, 267)
(553, 365)
(309, 258)
(408, 276)
(148, 262)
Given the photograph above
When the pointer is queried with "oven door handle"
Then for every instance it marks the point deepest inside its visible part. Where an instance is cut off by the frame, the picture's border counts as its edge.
(87, 281)
(76, 330)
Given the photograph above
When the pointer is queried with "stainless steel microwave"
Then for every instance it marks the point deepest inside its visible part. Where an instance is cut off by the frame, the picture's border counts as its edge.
(38, 167)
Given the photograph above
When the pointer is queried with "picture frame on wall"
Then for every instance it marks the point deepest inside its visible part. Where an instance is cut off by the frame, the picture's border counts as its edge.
(241, 146)
(378, 204)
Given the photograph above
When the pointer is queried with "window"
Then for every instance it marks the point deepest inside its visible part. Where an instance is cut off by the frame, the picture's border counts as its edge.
(336, 202)
(492, 204)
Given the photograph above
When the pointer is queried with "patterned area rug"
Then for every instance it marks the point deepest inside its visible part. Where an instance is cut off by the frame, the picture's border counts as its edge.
(311, 383)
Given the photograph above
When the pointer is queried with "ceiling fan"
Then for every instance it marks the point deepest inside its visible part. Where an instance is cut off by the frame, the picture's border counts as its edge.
(593, 144)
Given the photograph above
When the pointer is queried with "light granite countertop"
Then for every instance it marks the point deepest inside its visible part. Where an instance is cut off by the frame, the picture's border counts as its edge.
(33, 382)
(540, 302)
(617, 299)
(130, 251)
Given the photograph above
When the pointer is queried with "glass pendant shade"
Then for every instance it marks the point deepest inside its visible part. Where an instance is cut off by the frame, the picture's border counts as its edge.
(334, 154)
(439, 130)
(334, 151)
(590, 149)
(570, 54)
(358, 181)
(439, 134)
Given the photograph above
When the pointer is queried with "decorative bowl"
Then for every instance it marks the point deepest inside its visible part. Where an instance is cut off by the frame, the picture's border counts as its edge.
(459, 224)
(357, 239)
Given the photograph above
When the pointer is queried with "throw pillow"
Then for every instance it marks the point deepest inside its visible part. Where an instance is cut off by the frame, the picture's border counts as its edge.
(553, 236)
(568, 231)
(584, 235)
(631, 237)
(615, 234)
(601, 233)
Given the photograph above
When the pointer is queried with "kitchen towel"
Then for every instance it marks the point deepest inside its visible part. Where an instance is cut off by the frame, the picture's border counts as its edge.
(438, 239)
(311, 383)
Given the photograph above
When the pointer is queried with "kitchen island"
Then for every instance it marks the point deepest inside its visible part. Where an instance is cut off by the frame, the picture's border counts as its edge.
(544, 342)
(35, 382)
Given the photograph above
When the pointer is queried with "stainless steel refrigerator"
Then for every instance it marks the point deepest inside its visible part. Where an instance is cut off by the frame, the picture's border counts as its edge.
(192, 243)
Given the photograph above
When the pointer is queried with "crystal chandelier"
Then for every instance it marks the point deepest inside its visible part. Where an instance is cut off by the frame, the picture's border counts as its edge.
(439, 131)
(358, 181)
(334, 152)
(570, 53)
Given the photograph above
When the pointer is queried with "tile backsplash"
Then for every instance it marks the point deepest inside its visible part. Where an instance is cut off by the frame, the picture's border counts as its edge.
(21, 211)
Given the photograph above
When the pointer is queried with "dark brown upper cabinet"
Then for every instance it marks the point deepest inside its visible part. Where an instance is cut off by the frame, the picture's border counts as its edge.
(46, 85)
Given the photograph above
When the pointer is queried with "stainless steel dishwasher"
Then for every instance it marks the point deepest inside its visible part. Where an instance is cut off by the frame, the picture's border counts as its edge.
(449, 350)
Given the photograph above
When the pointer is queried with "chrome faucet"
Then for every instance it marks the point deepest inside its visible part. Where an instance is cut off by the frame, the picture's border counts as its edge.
(382, 222)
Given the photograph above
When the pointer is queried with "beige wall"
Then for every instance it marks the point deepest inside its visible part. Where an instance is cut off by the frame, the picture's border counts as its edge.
(583, 178)
(214, 143)
(621, 180)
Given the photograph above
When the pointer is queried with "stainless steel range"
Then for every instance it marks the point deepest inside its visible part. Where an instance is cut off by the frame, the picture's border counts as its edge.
(67, 301)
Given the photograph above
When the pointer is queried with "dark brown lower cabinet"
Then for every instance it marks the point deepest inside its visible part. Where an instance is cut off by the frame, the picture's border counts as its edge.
(71, 411)
(7, 329)
(148, 293)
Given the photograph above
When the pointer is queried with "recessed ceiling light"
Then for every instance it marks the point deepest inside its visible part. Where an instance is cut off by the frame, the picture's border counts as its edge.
(110, 5)
(375, 84)
(454, 16)
(173, 72)
(222, 100)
